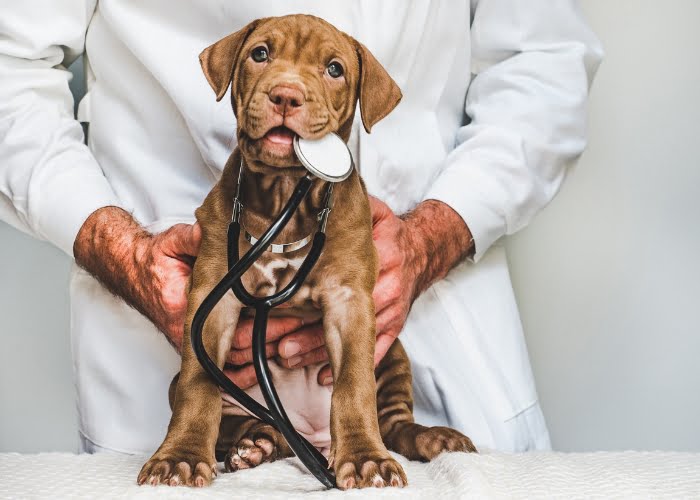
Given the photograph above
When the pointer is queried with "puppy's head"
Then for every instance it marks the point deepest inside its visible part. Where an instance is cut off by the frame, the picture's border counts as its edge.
(295, 75)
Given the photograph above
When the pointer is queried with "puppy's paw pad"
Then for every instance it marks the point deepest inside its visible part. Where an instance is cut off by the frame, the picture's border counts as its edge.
(434, 440)
(182, 470)
(376, 472)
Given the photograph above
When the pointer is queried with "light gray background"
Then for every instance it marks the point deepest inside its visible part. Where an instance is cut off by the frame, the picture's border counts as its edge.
(607, 277)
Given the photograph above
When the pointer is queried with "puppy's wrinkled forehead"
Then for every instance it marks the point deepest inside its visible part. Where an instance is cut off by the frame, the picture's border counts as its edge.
(303, 40)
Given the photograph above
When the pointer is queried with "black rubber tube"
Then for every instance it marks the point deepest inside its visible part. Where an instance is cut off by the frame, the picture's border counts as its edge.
(275, 415)
(307, 453)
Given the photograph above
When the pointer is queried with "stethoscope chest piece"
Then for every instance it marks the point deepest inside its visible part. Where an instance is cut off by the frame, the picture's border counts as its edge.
(328, 158)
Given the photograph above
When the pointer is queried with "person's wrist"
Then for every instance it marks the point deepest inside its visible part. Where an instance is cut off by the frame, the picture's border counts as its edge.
(416, 248)
(109, 232)
(439, 239)
(112, 246)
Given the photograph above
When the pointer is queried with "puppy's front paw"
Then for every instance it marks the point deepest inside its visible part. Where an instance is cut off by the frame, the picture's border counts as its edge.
(178, 468)
(368, 470)
(432, 441)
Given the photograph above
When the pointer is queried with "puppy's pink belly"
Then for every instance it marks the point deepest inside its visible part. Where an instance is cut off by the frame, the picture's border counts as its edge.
(307, 403)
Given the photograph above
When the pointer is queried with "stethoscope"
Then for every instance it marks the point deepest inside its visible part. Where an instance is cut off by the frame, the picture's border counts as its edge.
(329, 159)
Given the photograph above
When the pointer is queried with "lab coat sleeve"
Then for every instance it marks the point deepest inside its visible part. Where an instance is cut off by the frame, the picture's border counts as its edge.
(532, 65)
(49, 181)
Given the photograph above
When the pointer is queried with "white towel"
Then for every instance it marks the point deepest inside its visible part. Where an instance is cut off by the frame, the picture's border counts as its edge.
(457, 475)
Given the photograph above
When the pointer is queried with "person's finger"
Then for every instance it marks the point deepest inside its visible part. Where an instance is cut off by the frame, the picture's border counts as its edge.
(316, 356)
(243, 356)
(386, 291)
(384, 342)
(325, 376)
(389, 318)
(243, 377)
(302, 341)
(276, 327)
(196, 238)
(183, 239)
(379, 209)
(174, 333)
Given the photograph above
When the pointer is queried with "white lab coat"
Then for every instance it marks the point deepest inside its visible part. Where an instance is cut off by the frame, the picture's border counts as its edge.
(158, 142)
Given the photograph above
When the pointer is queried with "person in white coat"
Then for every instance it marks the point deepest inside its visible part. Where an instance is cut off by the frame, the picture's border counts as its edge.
(493, 114)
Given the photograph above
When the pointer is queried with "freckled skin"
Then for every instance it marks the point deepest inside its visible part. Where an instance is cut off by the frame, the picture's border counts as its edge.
(370, 410)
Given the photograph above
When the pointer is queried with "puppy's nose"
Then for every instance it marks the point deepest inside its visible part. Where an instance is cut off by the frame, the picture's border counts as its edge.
(286, 100)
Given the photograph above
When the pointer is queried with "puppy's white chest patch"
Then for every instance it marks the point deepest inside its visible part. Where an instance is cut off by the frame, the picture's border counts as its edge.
(271, 269)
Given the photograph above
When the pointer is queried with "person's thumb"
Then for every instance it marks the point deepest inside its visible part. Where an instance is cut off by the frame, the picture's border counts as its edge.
(184, 239)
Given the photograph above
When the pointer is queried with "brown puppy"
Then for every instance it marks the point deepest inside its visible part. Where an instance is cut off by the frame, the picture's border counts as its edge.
(296, 75)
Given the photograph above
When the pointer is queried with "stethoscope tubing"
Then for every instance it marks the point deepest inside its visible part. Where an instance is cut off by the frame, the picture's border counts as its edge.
(275, 414)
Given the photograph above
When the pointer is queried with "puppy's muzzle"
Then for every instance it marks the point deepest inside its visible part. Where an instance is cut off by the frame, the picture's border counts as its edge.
(286, 100)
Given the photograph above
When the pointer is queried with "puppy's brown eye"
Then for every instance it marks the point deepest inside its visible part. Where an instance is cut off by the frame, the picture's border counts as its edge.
(335, 70)
(259, 54)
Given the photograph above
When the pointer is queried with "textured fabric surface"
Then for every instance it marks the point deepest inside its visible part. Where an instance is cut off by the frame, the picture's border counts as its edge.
(457, 475)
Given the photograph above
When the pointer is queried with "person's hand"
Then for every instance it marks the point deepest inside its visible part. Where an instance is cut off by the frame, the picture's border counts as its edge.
(164, 266)
(400, 265)
(150, 272)
(414, 250)
(241, 355)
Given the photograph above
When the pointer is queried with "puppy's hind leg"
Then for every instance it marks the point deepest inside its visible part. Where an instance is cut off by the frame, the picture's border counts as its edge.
(246, 442)
(399, 431)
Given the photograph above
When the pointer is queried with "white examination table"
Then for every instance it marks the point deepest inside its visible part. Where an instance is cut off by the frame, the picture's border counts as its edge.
(487, 475)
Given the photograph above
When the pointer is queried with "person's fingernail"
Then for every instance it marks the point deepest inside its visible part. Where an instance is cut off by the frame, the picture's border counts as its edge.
(291, 348)
(328, 381)
(294, 361)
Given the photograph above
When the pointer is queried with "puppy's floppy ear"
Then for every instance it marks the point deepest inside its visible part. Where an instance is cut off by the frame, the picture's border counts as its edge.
(379, 93)
(218, 59)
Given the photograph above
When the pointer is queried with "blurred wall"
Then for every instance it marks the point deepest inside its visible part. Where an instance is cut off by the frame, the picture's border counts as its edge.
(608, 276)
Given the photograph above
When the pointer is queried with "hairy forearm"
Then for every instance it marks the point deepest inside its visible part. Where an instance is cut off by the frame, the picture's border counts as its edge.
(107, 246)
(440, 240)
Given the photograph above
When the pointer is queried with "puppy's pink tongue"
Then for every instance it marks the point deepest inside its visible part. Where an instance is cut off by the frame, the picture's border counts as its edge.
(280, 135)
